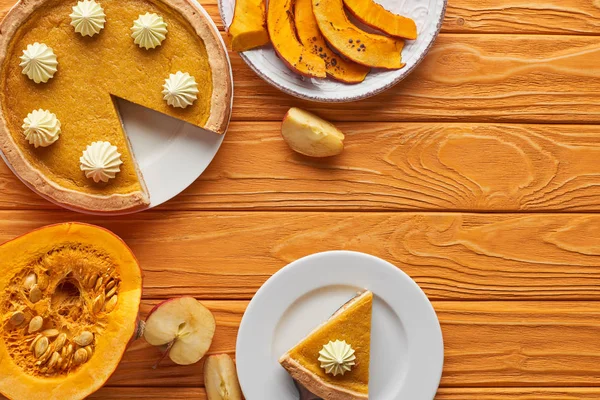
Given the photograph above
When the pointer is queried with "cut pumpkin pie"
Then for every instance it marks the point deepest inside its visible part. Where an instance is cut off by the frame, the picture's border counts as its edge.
(62, 64)
(332, 362)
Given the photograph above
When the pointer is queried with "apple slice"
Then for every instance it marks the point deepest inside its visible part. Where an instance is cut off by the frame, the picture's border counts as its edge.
(220, 378)
(310, 135)
(184, 326)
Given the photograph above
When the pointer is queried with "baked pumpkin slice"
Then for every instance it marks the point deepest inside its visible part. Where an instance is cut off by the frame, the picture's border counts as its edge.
(364, 48)
(332, 362)
(92, 71)
(376, 16)
(69, 300)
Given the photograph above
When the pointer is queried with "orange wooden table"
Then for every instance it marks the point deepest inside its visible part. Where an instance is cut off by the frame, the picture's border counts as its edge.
(479, 175)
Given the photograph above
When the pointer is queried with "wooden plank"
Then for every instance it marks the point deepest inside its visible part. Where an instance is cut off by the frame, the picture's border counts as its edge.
(488, 344)
(452, 256)
(392, 166)
(571, 17)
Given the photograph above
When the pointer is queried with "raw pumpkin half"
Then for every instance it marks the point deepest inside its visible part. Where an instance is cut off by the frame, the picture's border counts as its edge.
(310, 36)
(280, 21)
(365, 48)
(69, 300)
(374, 15)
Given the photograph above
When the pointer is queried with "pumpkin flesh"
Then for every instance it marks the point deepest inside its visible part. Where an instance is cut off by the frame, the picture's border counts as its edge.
(376, 16)
(248, 29)
(280, 21)
(364, 48)
(310, 36)
(79, 269)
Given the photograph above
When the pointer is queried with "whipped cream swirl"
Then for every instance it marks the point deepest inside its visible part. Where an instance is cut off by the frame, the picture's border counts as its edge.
(149, 31)
(337, 357)
(88, 18)
(180, 90)
(39, 62)
(41, 128)
(101, 161)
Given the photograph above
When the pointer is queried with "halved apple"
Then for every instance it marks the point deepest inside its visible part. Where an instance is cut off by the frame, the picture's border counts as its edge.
(184, 326)
(376, 16)
(368, 49)
(310, 135)
(280, 21)
(220, 378)
(310, 36)
(248, 29)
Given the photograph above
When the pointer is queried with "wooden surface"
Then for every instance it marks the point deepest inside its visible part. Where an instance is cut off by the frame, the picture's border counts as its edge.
(479, 176)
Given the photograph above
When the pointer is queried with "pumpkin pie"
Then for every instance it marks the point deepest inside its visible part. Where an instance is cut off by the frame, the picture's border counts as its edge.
(332, 362)
(96, 64)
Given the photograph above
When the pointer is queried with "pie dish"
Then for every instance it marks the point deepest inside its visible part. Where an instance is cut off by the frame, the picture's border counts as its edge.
(92, 71)
(352, 324)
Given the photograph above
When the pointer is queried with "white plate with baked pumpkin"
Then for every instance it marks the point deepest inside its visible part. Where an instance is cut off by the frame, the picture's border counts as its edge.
(406, 344)
(305, 54)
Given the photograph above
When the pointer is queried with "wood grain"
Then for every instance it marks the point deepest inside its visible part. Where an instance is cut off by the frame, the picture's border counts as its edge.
(451, 256)
(486, 344)
(392, 167)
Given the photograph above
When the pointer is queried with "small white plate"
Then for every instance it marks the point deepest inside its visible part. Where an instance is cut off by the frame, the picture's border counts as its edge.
(407, 350)
(428, 15)
(171, 153)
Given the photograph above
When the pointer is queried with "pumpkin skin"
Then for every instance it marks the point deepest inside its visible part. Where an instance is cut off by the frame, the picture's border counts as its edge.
(280, 22)
(364, 48)
(310, 36)
(67, 259)
(248, 29)
(376, 16)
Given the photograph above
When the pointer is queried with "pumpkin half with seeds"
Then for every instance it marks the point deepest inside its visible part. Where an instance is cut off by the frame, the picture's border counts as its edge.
(69, 301)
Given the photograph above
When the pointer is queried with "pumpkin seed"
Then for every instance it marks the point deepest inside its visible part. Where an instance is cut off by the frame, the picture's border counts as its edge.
(98, 283)
(32, 345)
(98, 303)
(53, 360)
(29, 281)
(69, 350)
(84, 338)
(80, 356)
(35, 324)
(89, 351)
(42, 281)
(17, 318)
(111, 303)
(50, 333)
(64, 363)
(110, 285)
(35, 294)
(41, 346)
(111, 292)
(46, 356)
(60, 341)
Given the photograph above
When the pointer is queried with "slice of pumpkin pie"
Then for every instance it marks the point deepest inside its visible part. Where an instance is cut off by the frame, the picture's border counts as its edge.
(332, 362)
(62, 64)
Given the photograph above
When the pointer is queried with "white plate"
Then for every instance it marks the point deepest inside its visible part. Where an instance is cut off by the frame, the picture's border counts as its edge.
(428, 15)
(407, 350)
(171, 153)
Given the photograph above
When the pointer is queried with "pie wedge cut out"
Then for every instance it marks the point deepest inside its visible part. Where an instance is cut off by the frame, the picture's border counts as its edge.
(351, 323)
(92, 72)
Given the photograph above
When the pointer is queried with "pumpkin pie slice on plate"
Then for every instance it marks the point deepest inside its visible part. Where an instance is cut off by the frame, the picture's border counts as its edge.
(62, 64)
(332, 362)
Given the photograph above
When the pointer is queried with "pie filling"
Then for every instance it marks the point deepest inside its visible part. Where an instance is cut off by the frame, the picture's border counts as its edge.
(91, 70)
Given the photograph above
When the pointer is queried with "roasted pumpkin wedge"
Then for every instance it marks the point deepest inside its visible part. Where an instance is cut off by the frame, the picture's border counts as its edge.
(69, 300)
(280, 21)
(310, 36)
(248, 29)
(365, 48)
(373, 14)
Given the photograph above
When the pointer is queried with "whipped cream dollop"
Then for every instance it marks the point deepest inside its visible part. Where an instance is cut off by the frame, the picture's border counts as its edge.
(41, 128)
(88, 18)
(39, 62)
(149, 31)
(180, 90)
(101, 161)
(337, 357)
